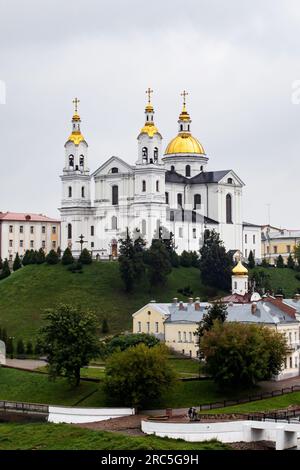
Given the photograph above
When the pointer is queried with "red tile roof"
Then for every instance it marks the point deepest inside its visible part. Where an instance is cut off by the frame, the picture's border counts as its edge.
(26, 217)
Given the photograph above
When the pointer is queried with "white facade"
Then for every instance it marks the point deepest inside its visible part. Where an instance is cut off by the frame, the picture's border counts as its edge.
(251, 241)
(172, 190)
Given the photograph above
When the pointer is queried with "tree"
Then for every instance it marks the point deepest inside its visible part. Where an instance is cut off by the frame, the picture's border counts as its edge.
(1, 264)
(260, 281)
(216, 312)
(40, 256)
(168, 240)
(104, 328)
(279, 262)
(290, 262)
(58, 252)
(69, 340)
(26, 258)
(29, 348)
(251, 260)
(132, 260)
(125, 341)
(215, 263)
(5, 270)
(20, 347)
(52, 257)
(159, 264)
(138, 374)
(237, 353)
(265, 263)
(85, 257)
(17, 263)
(10, 346)
(139, 267)
(4, 335)
(297, 253)
(185, 259)
(67, 257)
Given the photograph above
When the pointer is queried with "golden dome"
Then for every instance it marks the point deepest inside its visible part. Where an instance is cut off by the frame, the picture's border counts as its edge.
(240, 269)
(149, 128)
(76, 137)
(184, 143)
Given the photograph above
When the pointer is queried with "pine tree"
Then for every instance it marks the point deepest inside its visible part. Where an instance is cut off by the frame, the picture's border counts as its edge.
(85, 257)
(20, 347)
(290, 262)
(185, 259)
(215, 264)
(280, 262)
(4, 335)
(52, 257)
(27, 258)
(125, 260)
(5, 270)
(159, 264)
(40, 256)
(251, 260)
(59, 252)
(29, 348)
(104, 328)
(17, 263)
(67, 257)
(10, 347)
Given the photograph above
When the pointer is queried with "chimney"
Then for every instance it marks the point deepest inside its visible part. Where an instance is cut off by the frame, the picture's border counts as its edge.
(253, 308)
(279, 297)
(174, 301)
(197, 299)
(197, 304)
(297, 297)
(191, 300)
(181, 306)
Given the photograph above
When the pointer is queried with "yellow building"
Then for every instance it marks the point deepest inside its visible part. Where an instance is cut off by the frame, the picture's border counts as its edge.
(277, 242)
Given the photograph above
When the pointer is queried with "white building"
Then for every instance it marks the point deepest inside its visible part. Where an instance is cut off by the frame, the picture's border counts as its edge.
(20, 232)
(173, 189)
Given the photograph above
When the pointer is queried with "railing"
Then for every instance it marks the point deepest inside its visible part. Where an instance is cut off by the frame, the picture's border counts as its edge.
(239, 401)
(15, 406)
(283, 415)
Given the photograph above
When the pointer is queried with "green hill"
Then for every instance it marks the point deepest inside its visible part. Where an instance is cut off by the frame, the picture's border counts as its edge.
(28, 292)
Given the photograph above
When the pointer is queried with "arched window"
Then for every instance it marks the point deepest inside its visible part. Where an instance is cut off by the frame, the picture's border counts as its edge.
(69, 231)
(115, 170)
(145, 153)
(188, 170)
(155, 154)
(228, 209)
(197, 201)
(114, 222)
(82, 191)
(144, 186)
(81, 161)
(181, 127)
(70, 191)
(167, 198)
(230, 181)
(115, 195)
(157, 186)
(144, 228)
(179, 200)
(71, 161)
(172, 168)
(201, 168)
(188, 127)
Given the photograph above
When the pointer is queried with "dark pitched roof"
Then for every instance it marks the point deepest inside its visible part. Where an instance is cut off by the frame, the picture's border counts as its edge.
(202, 178)
(248, 224)
(179, 215)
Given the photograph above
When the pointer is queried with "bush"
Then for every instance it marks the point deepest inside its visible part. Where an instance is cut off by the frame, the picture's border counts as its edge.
(29, 348)
(20, 347)
(17, 263)
(5, 270)
(52, 257)
(67, 257)
(104, 328)
(75, 267)
(85, 257)
(186, 291)
(40, 256)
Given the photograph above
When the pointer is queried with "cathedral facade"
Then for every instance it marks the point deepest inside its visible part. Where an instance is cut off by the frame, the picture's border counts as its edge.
(172, 188)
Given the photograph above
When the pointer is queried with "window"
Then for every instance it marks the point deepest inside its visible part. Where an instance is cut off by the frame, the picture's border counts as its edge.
(288, 248)
(114, 222)
(70, 191)
(254, 253)
(197, 201)
(31, 244)
(21, 228)
(167, 198)
(54, 244)
(81, 161)
(296, 361)
(275, 250)
(92, 244)
(180, 232)
(295, 336)
(10, 257)
(31, 229)
(92, 230)
(228, 209)
(184, 336)
(254, 240)
(82, 191)
(291, 362)
(148, 327)
(139, 326)
(144, 228)
(145, 153)
(143, 186)
(181, 127)
(179, 336)
(43, 244)
(246, 253)
(235, 284)
(172, 168)
(290, 337)
(194, 233)
(115, 170)
(201, 168)
(54, 229)
(10, 229)
(71, 160)
(190, 337)
(155, 154)
(115, 195)
(69, 231)
(172, 218)
(190, 351)
(188, 170)
(229, 181)
(157, 186)
(21, 243)
(43, 229)
(156, 327)
(10, 243)
(246, 238)
(179, 200)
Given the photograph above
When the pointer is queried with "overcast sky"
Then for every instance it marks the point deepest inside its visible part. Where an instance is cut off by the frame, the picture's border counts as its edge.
(237, 59)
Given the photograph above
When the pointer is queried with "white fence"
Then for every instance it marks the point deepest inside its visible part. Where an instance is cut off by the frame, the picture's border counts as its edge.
(60, 414)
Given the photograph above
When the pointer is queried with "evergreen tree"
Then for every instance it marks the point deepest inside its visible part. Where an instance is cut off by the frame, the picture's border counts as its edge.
(85, 257)
(126, 263)
(4, 336)
(251, 260)
(5, 270)
(29, 348)
(26, 258)
(185, 259)
(290, 262)
(52, 257)
(58, 252)
(10, 347)
(215, 263)
(104, 328)
(40, 256)
(167, 238)
(1, 264)
(265, 263)
(138, 258)
(279, 262)
(33, 257)
(37, 349)
(67, 257)
(297, 253)
(17, 263)
(20, 347)
(159, 264)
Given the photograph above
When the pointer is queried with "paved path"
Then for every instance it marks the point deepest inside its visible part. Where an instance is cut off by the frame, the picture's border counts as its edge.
(29, 364)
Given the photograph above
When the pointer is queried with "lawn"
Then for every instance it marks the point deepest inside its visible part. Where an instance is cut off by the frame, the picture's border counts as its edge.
(283, 278)
(65, 437)
(26, 294)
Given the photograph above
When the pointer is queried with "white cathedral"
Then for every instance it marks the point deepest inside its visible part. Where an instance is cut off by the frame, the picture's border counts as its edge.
(171, 189)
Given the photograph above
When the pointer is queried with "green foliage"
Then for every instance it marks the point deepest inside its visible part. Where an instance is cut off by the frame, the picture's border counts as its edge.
(216, 312)
(1, 263)
(297, 253)
(189, 258)
(260, 279)
(251, 260)
(10, 348)
(20, 347)
(215, 263)
(132, 260)
(104, 328)
(159, 264)
(186, 291)
(17, 263)
(40, 256)
(85, 257)
(29, 348)
(4, 336)
(167, 239)
(138, 374)
(52, 257)
(279, 262)
(237, 353)
(5, 270)
(70, 341)
(125, 341)
(75, 267)
(67, 257)
(290, 262)
(265, 263)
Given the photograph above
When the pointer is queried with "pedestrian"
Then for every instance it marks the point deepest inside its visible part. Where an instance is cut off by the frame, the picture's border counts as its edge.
(190, 413)
(194, 414)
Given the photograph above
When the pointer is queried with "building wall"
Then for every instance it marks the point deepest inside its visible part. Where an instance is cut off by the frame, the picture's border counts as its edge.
(181, 338)
(272, 248)
(252, 241)
(148, 320)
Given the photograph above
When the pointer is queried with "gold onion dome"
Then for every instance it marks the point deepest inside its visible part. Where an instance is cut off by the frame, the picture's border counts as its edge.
(76, 137)
(240, 269)
(149, 127)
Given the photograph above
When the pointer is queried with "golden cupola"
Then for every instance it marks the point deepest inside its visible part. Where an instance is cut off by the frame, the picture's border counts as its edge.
(239, 269)
(184, 143)
(76, 136)
(149, 127)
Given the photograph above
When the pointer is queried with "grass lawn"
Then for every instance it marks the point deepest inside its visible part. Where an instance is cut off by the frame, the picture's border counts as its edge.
(28, 292)
(85, 372)
(184, 367)
(283, 278)
(66, 437)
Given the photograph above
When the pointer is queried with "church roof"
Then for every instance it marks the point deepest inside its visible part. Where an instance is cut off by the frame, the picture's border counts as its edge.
(25, 217)
(189, 216)
(202, 178)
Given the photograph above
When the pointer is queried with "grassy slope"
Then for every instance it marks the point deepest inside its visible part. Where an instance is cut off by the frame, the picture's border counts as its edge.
(284, 278)
(65, 437)
(26, 293)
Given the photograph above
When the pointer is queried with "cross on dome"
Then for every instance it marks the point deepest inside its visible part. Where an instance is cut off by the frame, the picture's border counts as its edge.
(76, 101)
(149, 93)
(184, 94)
